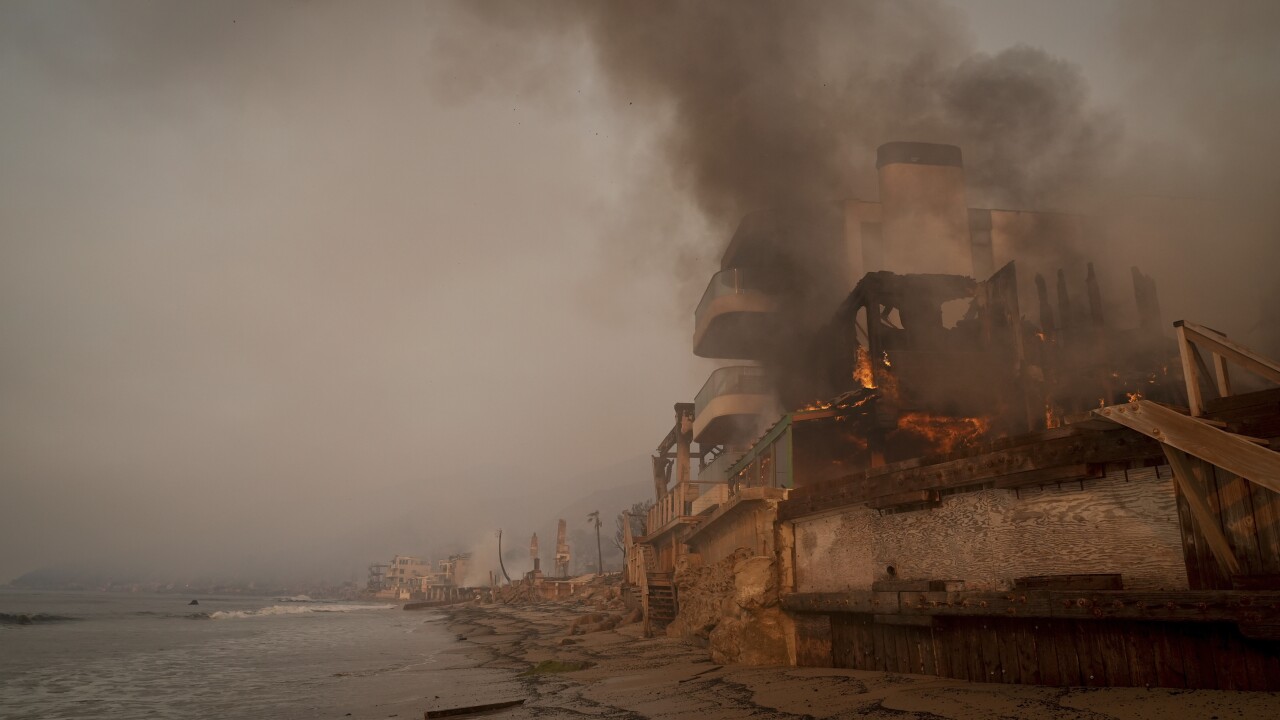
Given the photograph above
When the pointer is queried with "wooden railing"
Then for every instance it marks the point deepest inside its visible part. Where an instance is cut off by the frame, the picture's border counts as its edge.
(674, 505)
(1192, 338)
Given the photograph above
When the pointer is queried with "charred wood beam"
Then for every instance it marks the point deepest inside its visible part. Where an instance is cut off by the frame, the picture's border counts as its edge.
(1061, 457)
(1095, 298)
(673, 436)
(1231, 452)
(1247, 607)
(1064, 301)
(1046, 310)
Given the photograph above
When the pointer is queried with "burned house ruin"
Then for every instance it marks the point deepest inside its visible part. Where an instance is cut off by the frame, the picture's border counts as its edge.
(944, 451)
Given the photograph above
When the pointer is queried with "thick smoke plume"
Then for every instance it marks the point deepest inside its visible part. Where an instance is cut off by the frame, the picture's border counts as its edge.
(768, 105)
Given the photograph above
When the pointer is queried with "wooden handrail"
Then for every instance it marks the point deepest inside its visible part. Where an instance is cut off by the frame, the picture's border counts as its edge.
(1191, 338)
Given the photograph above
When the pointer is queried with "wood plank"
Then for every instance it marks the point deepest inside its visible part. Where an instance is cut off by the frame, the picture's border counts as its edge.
(1190, 372)
(1028, 603)
(1270, 661)
(917, 585)
(1007, 643)
(1243, 405)
(1113, 647)
(1245, 606)
(1048, 476)
(1195, 551)
(1168, 652)
(1046, 653)
(1142, 659)
(848, 654)
(975, 468)
(1222, 375)
(938, 635)
(1256, 582)
(925, 649)
(1231, 350)
(881, 652)
(910, 638)
(840, 643)
(1255, 660)
(1266, 517)
(959, 650)
(1068, 660)
(1236, 512)
(1198, 664)
(974, 649)
(1200, 501)
(1026, 656)
(1089, 654)
(1229, 656)
(901, 648)
(990, 650)
(1091, 581)
(1237, 455)
(902, 499)
(854, 601)
(900, 620)
(1194, 606)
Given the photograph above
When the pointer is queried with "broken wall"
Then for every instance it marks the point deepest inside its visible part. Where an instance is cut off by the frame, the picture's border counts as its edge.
(1116, 524)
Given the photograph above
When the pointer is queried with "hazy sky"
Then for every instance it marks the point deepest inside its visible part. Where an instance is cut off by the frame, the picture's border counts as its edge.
(269, 285)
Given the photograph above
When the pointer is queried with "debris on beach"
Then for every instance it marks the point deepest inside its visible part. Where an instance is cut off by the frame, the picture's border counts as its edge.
(548, 667)
(471, 709)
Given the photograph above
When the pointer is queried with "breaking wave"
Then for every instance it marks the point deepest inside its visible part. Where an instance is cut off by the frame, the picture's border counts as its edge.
(295, 610)
(31, 618)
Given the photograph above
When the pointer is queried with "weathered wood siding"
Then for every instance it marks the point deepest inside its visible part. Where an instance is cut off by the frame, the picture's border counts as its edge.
(1060, 652)
(1123, 523)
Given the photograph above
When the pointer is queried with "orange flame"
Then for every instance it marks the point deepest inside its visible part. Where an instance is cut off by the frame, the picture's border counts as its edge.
(862, 371)
(1134, 396)
(1051, 419)
(945, 433)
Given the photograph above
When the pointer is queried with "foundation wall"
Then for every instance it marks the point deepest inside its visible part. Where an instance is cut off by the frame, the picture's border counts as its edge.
(752, 529)
(1060, 652)
(1123, 523)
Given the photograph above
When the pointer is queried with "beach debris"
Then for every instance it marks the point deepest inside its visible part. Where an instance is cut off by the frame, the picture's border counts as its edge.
(547, 667)
(471, 709)
(194, 602)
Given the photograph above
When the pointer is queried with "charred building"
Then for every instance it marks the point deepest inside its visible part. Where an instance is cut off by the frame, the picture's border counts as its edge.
(936, 437)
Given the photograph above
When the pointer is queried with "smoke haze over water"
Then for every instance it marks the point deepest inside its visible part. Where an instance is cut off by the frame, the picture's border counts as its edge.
(287, 288)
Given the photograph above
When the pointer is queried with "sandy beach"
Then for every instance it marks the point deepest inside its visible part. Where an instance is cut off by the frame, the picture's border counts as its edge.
(631, 676)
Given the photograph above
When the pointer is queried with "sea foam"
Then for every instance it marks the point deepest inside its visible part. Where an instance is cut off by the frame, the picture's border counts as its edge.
(295, 610)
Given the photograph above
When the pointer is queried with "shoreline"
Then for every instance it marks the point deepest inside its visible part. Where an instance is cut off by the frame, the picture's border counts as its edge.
(634, 677)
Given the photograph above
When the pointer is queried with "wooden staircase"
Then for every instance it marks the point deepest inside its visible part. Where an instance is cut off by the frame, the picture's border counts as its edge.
(1227, 482)
(662, 599)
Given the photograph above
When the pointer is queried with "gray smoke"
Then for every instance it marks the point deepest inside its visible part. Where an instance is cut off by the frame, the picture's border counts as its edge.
(768, 104)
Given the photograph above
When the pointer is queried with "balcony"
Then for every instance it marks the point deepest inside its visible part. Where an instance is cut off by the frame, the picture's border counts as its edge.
(732, 405)
(733, 317)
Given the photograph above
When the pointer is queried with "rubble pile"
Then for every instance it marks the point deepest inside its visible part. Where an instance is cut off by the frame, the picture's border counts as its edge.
(731, 606)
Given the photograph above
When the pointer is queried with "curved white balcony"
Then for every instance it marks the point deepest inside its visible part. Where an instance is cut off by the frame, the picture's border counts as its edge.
(733, 318)
(732, 405)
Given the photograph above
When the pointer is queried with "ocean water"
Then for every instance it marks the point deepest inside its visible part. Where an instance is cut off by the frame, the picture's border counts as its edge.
(112, 656)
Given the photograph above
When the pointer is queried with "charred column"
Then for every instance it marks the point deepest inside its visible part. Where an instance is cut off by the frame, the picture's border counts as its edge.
(684, 438)
(980, 243)
(562, 549)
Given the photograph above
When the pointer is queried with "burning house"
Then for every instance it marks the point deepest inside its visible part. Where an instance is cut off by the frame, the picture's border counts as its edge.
(940, 454)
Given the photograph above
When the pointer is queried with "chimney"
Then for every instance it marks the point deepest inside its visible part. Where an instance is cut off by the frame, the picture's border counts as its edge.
(925, 216)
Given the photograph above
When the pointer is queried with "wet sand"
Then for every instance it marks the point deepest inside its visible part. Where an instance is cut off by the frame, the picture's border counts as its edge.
(636, 677)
